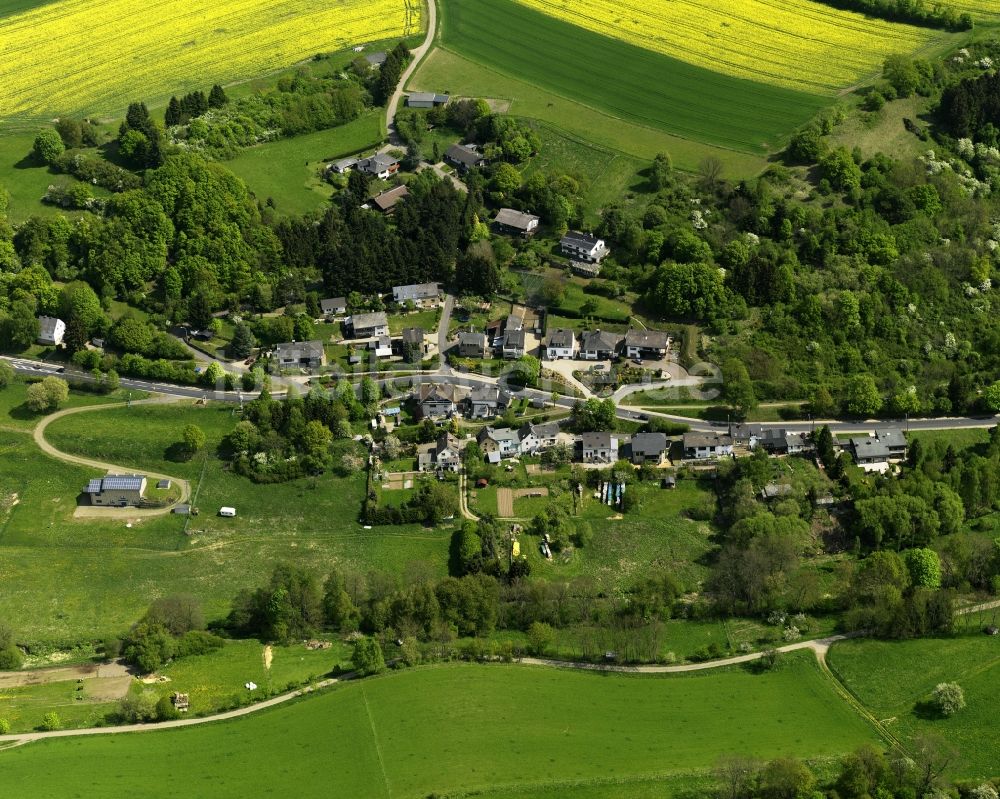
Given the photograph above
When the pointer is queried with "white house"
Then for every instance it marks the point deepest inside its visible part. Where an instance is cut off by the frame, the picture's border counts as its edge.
(444, 454)
(561, 344)
(539, 437)
(420, 294)
(368, 325)
(599, 447)
(51, 330)
(701, 446)
(583, 247)
(333, 306)
(505, 441)
(646, 344)
(599, 345)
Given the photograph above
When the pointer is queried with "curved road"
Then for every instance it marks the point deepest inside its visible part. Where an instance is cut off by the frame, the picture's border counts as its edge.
(39, 435)
(393, 105)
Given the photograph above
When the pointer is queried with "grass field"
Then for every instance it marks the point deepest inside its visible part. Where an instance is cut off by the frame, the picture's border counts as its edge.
(287, 170)
(444, 70)
(801, 44)
(613, 77)
(66, 578)
(892, 677)
(368, 739)
(75, 56)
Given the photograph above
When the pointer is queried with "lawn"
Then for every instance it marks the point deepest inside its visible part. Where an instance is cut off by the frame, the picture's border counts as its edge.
(445, 70)
(427, 318)
(67, 579)
(892, 677)
(289, 171)
(15, 415)
(613, 77)
(369, 738)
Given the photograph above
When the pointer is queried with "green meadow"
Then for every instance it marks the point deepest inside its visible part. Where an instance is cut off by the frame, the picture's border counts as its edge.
(498, 731)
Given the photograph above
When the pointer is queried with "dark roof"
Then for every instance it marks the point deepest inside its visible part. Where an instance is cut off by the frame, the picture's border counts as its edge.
(598, 340)
(562, 337)
(868, 448)
(163, 484)
(365, 320)
(649, 442)
(413, 335)
(115, 482)
(575, 238)
(598, 440)
(515, 219)
(376, 59)
(466, 156)
(427, 97)
(299, 350)
(472, 339)
(543, 430)
(492, 394)
(692, 440)
(647, 339)
(416, 291)
(514, 338)
(332, 304)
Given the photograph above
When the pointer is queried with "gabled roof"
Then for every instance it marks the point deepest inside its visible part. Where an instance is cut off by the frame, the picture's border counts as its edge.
(508, 217)
(647, 339)
(332, 304)
(377, 163)
(464, 155)
(869, 448)
(440, 392)
(598, 440)
(116, 482)
(470, 338)
(701, 440)
(47, 326)
(599, 340)
(514, 339)
(490, 394)
(387, 200)
(363, 321)
(298, 350)
(376, 59)
(427, 97)
(562, 337)
(447, 441)
(416, 291)
(413, 335)
(575, 238)
(543, 430)
(649, 442)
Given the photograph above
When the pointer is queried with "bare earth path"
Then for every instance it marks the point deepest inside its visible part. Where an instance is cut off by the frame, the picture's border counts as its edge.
(418, 54)
(39, 435)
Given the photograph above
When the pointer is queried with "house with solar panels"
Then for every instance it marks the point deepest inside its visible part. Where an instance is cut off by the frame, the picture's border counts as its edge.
(116, 490)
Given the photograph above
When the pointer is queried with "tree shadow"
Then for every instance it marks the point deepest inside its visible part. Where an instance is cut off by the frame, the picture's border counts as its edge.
(23, 413)
(927, 711)
(177, 453)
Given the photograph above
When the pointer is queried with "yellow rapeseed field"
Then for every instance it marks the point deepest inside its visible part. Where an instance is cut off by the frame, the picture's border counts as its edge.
(795, 43)
(95, 56)
(980, 8)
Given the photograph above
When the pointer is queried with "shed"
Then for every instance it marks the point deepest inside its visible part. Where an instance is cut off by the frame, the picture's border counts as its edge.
(182, 510)
(668, 482)
(162, 484)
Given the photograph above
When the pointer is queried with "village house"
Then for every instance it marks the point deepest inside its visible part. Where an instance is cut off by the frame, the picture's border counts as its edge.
(539, 437)
(423, 295)
(51, 330)
(649, 448)
(368, 325)
(334, 306)
(295, 354)
(513, 344)
(516, 222)
(411, 345)
(464, 157)
(445, 454)
(598, 447)
(381, 165)
(702, 446)
(873, 453)
(778, 441)
(651, 344)
(561, 344)
(471, 344)
(438, 401)
(502, 440)
(485, 402)
(599, 345)
(426, 99)
(343, 166)
(116, 490)
(386, 201)
(381, 346)
(583, 247)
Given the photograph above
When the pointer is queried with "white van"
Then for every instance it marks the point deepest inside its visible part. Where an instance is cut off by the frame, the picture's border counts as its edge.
(228, 512)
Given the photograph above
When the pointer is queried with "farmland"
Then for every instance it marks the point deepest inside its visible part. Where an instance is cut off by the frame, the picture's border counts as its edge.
(803, 45)
(687, 100)
(368, 739)
(893, 677)
(72, 56)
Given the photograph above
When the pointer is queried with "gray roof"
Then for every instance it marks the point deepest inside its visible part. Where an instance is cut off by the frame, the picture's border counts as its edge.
(775, 490)
(298, 350)
(499, 434)
(692, 440)
(472, 339)
(598, 340)
(115, 482)
(649, 442)
(647, 339)
(416, 291)
(365, 320)
(47, 326)
(513, 322)
(376, 59)
(868, 448)
(575, 238)
(598, 440)
(490, 394)
(427, 97)
(515, 219)
(562, 337)
(514, 339)
(464, 155)
(545, 429)
(413, 335)
(344, 163)
(377, 163)
(332, 304)
(892, 437)
(440, 392)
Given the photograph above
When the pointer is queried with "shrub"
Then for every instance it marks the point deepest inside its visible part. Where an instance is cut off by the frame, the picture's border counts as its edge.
(51, 721)
(4, 726)
(47, 395)
(165, 710)
(948, 698)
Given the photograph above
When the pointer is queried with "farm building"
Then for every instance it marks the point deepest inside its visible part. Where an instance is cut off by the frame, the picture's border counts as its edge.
(583, 247)
(646, 344)
(300, 353)
(561, 344)
(386, 201)
(464, 157)
(420, 294)
(116, 490)
(517, 222)
(51, 330)
(426, 99)
(334, 306)
(368, 325)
